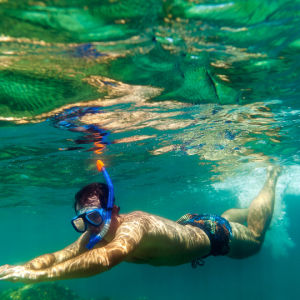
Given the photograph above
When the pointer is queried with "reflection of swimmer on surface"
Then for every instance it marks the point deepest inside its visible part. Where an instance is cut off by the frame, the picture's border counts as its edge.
(142, 238)
(68, 119)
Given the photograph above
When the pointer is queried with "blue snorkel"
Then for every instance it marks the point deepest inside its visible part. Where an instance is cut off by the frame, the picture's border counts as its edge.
(96, 238)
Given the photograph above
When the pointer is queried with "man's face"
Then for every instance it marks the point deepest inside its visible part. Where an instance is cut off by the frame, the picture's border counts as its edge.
(83, 209)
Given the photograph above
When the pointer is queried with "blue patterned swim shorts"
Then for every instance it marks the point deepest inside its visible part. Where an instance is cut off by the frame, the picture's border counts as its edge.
(217, 229)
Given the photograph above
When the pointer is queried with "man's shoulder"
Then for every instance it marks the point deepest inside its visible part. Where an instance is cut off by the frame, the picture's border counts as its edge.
(141, 217)
(137, 215)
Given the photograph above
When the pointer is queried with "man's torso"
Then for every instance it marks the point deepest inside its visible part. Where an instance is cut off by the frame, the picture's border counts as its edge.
(164, 242)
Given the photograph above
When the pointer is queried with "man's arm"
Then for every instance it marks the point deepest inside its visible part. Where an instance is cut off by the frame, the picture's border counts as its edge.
(51, 259)
(90, 263)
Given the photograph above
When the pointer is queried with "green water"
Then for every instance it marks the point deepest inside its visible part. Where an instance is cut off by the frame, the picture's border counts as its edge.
(194, 99)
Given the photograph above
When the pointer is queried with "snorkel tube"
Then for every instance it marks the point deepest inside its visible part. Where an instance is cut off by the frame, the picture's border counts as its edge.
(96, 238)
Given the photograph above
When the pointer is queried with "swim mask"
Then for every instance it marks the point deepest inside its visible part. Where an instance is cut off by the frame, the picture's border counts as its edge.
(94, 216)
(97, 216)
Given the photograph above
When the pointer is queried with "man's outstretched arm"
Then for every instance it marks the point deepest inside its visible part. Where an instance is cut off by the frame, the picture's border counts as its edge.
(87, 264)
(51, 259)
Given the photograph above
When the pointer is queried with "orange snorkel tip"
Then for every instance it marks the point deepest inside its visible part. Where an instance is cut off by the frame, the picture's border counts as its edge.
(100, 165)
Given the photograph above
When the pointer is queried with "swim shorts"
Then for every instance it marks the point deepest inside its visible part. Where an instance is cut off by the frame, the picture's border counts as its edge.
(217, 229)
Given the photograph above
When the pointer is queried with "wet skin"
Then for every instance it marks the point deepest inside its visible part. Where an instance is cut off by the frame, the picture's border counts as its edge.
(142, 238)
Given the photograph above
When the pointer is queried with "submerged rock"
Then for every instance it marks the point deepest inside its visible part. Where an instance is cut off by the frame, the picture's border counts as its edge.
(43, 291)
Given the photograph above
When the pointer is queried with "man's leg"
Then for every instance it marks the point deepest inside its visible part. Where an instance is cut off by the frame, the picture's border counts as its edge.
(262, 207)
(248, 241)
(237, 215)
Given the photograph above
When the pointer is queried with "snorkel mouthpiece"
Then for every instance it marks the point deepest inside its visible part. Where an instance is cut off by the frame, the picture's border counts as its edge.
(96, 238)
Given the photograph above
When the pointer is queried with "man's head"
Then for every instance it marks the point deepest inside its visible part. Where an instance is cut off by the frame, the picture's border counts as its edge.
(94, 194)
(89, 202)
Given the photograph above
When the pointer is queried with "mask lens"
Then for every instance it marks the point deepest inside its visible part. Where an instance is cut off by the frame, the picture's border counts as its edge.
(94, 217)
(79, 224)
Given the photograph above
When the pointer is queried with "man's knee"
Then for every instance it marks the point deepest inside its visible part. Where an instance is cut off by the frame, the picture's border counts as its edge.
(259, 236)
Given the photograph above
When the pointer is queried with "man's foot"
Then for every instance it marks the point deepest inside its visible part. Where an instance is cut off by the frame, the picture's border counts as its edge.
(274, 171)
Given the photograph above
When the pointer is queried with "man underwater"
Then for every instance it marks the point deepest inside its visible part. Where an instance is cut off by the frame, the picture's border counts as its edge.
(109, 238)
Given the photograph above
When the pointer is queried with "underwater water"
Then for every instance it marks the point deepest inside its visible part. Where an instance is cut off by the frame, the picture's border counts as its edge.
(186, 102)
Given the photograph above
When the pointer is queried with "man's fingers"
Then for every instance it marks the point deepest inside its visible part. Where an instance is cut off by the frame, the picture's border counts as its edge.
(3, 273)
(6, 269)
(16, 270)
(7, 277)
(7, 272)
(18, 274)
(3, 268)
(12, 278)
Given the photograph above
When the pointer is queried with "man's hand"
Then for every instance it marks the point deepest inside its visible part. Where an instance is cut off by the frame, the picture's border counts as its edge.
(5, 267)
(21, 274)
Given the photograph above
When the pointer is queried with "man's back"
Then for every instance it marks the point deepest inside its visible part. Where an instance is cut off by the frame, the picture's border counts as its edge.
(148, 239)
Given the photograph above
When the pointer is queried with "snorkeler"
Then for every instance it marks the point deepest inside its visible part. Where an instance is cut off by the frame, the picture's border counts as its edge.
(109, 238)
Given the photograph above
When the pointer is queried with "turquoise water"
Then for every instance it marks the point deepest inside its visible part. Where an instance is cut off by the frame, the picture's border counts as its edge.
(186, 102)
